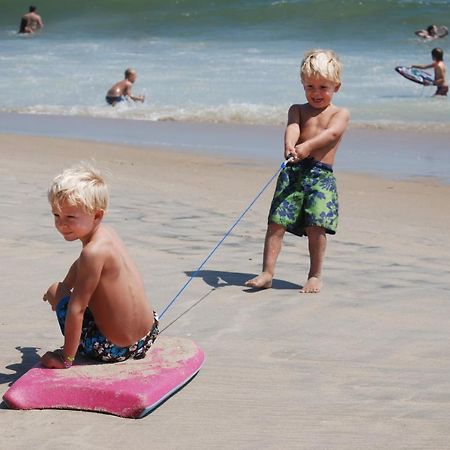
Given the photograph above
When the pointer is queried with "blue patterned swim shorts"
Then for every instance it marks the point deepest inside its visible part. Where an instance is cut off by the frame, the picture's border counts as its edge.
(97, 346)
(305, 195)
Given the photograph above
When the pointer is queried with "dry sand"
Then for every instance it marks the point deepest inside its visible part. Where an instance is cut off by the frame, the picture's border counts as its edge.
(363, 365)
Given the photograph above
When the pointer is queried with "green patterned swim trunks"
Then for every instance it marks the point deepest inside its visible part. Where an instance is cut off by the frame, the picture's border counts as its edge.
(305, 195)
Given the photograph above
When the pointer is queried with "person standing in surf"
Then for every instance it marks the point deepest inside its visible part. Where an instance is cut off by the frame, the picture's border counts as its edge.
(305, 201)
(31, 21)
(439, 71)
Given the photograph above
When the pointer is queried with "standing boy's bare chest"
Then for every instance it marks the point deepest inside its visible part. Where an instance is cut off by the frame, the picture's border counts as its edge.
(313, 122)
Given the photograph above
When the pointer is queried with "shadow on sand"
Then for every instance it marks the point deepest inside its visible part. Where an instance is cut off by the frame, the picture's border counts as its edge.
(30, 358)
(217, 279)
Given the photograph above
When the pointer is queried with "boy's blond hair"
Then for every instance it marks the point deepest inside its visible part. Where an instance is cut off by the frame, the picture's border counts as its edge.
(81, 185)
(321, 63)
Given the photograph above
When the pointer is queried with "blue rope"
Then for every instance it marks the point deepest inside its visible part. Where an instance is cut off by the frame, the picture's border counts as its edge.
(282, 166)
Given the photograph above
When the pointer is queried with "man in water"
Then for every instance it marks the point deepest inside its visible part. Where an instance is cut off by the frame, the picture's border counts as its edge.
(31, 21)
(121, 90)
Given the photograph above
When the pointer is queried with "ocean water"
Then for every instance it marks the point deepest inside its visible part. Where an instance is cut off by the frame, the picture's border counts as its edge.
(224, 61)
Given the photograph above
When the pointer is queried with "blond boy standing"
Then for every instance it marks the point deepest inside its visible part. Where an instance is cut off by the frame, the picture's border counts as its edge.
(305, 200)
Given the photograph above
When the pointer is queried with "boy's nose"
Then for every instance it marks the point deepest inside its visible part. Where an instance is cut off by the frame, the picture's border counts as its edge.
(60, 223)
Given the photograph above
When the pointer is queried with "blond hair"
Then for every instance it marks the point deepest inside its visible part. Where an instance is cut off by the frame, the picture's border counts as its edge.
(81, 185)
(321, 63)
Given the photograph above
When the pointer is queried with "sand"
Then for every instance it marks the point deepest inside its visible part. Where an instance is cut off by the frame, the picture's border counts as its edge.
(362, 365)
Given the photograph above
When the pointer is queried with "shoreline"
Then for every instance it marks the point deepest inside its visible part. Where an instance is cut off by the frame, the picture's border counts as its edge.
(396, 154)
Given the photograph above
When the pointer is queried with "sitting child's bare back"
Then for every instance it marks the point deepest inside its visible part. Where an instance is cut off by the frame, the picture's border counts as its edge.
(118, 304)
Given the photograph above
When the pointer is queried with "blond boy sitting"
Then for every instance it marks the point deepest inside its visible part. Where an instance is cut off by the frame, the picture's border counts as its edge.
(101, 305)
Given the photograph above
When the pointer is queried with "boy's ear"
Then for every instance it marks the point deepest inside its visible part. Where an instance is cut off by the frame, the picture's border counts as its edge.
(337, 87)
(98, 215)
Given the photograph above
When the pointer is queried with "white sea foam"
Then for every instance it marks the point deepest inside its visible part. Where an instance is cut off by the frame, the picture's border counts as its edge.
(232, 61)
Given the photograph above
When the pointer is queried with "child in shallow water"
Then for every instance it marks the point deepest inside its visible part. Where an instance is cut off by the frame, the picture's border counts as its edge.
(439, 71)
(121, 90)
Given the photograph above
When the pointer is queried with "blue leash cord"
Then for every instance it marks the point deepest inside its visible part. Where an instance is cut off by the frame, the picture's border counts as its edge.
(282, 166)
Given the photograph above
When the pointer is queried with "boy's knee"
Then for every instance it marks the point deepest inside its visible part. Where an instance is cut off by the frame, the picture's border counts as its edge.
(55, 293)
(315, 231)
(275, 229)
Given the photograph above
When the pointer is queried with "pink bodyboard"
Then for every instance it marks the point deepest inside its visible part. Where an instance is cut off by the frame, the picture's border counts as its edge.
(131, 388)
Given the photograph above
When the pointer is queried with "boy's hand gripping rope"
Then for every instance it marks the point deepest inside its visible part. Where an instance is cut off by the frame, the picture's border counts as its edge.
(282, 166)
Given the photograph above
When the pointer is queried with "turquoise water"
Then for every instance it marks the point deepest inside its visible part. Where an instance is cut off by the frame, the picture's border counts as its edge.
(220, 61)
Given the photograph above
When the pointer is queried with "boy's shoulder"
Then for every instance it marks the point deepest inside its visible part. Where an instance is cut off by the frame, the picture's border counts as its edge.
(298, 105)
(305, 110)
(307, 107)
(341, 110)
(340, 116)
(297, 108)
(101, 241)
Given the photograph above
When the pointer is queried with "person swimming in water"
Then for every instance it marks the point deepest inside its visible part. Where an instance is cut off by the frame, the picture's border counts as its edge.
(432, 32)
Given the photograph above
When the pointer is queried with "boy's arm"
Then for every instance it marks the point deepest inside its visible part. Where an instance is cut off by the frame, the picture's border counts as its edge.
(327, 137)
(65, 286)
(139, 98)
(70, 278)
(89, 269)
(423, 66)
(61, 289)
(128, 93)
(292, 132)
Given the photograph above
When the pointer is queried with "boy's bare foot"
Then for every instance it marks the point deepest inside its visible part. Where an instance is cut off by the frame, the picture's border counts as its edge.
(262, 281)
(312, 286)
